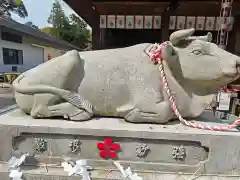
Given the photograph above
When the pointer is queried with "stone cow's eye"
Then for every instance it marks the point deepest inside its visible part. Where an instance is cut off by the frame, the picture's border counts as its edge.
(197, 52)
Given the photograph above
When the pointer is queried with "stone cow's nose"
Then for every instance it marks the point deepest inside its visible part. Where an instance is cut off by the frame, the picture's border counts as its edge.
(238, 64)
(231, 64)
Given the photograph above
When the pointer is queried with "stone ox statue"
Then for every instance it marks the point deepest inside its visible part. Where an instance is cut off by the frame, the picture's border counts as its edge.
(125, 83)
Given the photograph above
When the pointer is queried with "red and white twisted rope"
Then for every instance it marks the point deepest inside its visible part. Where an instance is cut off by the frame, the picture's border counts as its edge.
(156, 57)
(229, 90)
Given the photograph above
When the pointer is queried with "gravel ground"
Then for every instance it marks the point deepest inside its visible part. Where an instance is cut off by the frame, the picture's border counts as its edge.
(5, 102)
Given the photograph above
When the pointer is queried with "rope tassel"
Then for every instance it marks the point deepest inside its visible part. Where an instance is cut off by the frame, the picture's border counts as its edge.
(157, 59)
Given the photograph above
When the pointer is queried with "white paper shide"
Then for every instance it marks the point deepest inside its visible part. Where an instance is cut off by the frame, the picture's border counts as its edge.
(14, 166)
(80, 168)
(127, 174)
(230, 23)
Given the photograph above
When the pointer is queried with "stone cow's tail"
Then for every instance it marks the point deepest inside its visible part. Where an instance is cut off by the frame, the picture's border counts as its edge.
(73, 98)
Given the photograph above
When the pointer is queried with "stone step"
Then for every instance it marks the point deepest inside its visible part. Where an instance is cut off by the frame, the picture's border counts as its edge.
(52, 173)
(149, 148)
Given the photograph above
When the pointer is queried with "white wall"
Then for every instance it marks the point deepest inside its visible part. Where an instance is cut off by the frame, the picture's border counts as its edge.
(32, 56)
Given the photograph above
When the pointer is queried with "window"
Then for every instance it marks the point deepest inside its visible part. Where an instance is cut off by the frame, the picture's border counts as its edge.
(14, 69)
(11, 37)
(12, 56)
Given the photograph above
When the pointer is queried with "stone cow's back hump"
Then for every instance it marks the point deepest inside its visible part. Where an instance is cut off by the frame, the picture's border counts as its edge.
(123, 61)
(57, 72)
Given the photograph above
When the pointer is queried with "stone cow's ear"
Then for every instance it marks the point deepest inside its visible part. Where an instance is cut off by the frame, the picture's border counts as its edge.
(177, 36)
(168, 52)
(209, 37)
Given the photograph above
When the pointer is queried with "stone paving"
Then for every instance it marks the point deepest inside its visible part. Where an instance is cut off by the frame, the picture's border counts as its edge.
(6, 96)
(5, 85)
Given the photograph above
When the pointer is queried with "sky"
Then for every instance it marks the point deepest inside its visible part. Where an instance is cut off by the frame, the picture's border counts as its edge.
(38, 12)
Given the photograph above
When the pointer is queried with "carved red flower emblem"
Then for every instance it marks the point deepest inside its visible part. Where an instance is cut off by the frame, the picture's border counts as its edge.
(108, 149)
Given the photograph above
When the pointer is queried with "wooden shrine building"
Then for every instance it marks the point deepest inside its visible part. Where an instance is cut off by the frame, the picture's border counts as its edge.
(119, 23)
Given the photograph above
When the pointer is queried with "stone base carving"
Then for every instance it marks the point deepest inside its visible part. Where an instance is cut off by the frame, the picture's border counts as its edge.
(151, 150)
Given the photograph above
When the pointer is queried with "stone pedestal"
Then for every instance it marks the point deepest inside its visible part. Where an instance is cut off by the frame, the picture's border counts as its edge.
(153, 151)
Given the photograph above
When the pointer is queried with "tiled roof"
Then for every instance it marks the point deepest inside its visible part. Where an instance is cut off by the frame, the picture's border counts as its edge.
(36, 34)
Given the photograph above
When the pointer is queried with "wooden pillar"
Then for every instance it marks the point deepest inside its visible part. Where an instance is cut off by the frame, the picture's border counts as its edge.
(232, 38)
(103, 38)
(166, 19)
(165, 26)
(235, 38)
(96, 32)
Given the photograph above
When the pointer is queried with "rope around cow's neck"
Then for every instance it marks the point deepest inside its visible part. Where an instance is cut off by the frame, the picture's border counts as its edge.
(156, 57)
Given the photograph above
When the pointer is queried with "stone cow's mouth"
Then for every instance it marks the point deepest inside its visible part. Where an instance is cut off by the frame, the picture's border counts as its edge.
(238, 70)
(234, 74)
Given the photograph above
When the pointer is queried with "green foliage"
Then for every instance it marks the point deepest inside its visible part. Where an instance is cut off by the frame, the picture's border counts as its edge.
(47, 30)
(71, 29)
(15, 6)
(30, 24)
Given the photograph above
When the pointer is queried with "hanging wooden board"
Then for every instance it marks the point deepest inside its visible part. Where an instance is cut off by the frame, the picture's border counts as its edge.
(138, 22)
(200, 23)
(210, 23)
(103, 21)
(154, 22)
(111, 21)
(181, 22)
(157, 22)
(190, 22)
(172, 22)
(129, 22)
(148, 22)
(120, 20)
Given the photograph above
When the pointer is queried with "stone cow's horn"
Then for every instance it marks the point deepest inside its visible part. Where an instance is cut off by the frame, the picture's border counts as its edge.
(180, 35)
(207, 38)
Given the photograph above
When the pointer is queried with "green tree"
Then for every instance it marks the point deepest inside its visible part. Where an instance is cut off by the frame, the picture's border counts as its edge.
(30, 24)
(58, 19)
(48, 30)
(71, 29)
(80, 33)
(15, 6)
